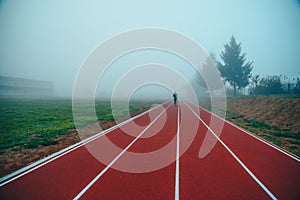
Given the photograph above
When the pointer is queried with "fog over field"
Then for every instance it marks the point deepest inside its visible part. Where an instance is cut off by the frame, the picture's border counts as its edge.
(49, 40)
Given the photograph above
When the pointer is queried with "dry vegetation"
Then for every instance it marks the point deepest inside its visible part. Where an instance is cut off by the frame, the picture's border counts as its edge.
(273, 118)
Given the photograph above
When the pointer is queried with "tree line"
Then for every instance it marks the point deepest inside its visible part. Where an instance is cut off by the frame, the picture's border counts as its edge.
(237, 72)
(272, 85)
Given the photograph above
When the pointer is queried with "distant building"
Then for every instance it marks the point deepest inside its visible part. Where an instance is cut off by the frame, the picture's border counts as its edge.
(20, 87)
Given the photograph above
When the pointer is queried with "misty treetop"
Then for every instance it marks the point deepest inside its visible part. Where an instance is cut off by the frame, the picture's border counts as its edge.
(234, 69)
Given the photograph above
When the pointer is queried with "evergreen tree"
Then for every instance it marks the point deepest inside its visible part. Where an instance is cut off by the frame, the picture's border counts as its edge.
(234, 69)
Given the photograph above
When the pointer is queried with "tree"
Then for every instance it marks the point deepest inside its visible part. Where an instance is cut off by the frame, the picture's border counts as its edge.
(297, 86)
(255, 80)
(274, 85)
(198, 82)
(234, 69)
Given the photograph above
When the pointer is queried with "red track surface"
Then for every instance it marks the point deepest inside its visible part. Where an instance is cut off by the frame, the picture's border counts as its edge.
(218, 175)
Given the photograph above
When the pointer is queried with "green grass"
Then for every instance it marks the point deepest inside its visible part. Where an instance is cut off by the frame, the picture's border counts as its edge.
(293, 141)
(257, 124)
(253, 131)
(233, 115)
(272, 139)
(292, 147)
(288, 135)
(32, 122)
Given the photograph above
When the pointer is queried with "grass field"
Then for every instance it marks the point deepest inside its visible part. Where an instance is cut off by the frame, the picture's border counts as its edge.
(32, 122)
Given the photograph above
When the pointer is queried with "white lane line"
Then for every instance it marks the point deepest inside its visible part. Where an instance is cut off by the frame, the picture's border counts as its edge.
(235, 157)
(256, 137)
(118, 156)
(26, 170)
(177, 156)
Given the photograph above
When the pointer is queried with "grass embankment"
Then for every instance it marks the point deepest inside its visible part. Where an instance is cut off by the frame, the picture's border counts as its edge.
(272, 118)
(30, 123)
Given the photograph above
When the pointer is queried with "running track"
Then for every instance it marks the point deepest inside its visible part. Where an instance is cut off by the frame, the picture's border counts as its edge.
(240, 166)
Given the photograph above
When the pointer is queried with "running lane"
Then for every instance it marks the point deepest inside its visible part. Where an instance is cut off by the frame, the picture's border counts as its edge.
(277, 170)
(216, 176)
(65, 175)
(147, 176)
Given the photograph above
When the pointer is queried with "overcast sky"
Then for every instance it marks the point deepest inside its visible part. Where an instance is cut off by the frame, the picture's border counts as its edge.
(49, 39)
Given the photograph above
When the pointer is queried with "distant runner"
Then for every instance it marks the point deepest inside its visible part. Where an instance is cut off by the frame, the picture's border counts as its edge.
(175, 97)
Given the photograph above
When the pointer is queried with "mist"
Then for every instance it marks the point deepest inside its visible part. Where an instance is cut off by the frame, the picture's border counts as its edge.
(48, 41)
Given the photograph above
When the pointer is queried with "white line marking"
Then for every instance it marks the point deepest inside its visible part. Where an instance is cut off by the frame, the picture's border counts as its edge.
(177, 156)
(255, 136)
(118, 156)
(235, 157)
(62, 152)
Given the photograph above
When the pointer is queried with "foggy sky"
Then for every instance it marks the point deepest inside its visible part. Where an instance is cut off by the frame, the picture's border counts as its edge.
(49, 40)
